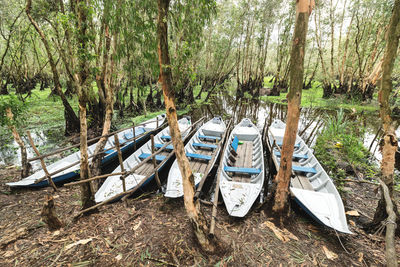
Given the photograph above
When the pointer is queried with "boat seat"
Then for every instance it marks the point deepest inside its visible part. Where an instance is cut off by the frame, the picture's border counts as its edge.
(242, 170)
(144, 156)
(209, 137)
(233, 147)
(279, 143)
(201, 145)
(198, 156)
(138, 131)
(109, 151)
(169, 147)
(166, 137)
(304, 169)
(295, 156)
(121, 141)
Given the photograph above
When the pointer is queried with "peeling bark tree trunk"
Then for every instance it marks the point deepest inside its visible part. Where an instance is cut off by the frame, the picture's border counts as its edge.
(303, 10)
(71, 120)
(86, 190)
(196, 218)
(104, 81)
(26, 166)
(389, 140)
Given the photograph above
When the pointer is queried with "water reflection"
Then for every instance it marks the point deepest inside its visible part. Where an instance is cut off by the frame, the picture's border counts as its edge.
(312, 120)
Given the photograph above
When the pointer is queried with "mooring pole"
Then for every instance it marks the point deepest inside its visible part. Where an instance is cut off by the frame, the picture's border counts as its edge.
(154, 162)
(121, 162)
(51, 182)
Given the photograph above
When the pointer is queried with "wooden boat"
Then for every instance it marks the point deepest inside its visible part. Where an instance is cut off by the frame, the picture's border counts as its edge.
(311, 187)
(201, 150)
(113, 184)
(242, 173)
(111, 154)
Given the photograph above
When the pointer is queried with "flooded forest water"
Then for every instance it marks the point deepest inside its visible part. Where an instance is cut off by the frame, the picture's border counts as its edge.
(312, 121)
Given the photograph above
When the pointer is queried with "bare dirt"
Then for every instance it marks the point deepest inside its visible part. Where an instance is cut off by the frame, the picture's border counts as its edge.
(152, 231)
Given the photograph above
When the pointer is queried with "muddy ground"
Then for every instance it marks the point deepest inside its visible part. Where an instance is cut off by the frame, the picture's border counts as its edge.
(153, 231)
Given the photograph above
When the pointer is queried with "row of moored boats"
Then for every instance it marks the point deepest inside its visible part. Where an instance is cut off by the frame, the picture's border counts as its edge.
(241, 176)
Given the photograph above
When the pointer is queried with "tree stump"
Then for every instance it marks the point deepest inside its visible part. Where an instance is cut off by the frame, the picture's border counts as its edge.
(49, 214)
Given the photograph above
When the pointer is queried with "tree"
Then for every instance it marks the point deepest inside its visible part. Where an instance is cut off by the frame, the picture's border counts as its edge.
(196, 218)
(303, 11)
(71, 120)
(389, 141)
(11, 110)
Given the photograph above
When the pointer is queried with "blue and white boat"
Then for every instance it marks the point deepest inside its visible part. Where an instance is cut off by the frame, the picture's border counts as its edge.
(242, 174)
(111, 154)
(311, 186)
(200, 151)
(113, 184)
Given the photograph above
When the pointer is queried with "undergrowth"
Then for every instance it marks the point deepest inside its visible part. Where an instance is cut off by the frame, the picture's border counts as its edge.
(340, 149)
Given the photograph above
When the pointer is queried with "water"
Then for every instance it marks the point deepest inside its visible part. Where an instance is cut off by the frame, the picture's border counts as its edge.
(311, 123)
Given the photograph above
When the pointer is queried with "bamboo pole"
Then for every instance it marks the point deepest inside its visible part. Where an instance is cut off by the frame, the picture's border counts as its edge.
(134, 168)
(77, 162)
(91, 140)
(121, 161)
(134, 136)
(95, 178)
(216, 194)
(125, 195)
(154, 162)
(47, 174)
(211, 162)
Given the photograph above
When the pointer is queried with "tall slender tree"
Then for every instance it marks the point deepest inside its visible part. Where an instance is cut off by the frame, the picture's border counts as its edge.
(196, 218)
(389, 140)
(303, 11)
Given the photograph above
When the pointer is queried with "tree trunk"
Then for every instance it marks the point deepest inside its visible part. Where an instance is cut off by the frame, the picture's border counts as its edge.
(104, 81)
(86, 190)
(196, 218)
(303, 10)
(49, 214)
(71, 120)
(26, 166)
(389, 140)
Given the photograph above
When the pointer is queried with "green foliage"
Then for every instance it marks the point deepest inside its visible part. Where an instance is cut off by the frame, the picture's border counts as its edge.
(340, 144)
(18, 109)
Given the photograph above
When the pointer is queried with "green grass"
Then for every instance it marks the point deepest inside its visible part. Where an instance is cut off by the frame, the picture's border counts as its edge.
(45, 112)
(312, 98)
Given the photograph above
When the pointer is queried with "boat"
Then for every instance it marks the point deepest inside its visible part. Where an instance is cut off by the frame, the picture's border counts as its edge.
(242, 173)
(112, 186)
(311, 186)
(111, 154)
(201, 150)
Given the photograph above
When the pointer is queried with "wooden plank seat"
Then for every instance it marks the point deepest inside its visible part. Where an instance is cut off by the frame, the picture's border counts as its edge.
(304, 169)
(121, 141)
(169, 147)
(295, 156)
(144, 156)
(166, 137)
(204, 146)
(279, 143)
(198, 156)
(209, 137)
(138, 131)
(242, 170)
(109, 151)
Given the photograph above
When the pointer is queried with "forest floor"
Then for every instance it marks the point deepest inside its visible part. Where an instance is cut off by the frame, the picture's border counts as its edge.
(153, 231)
